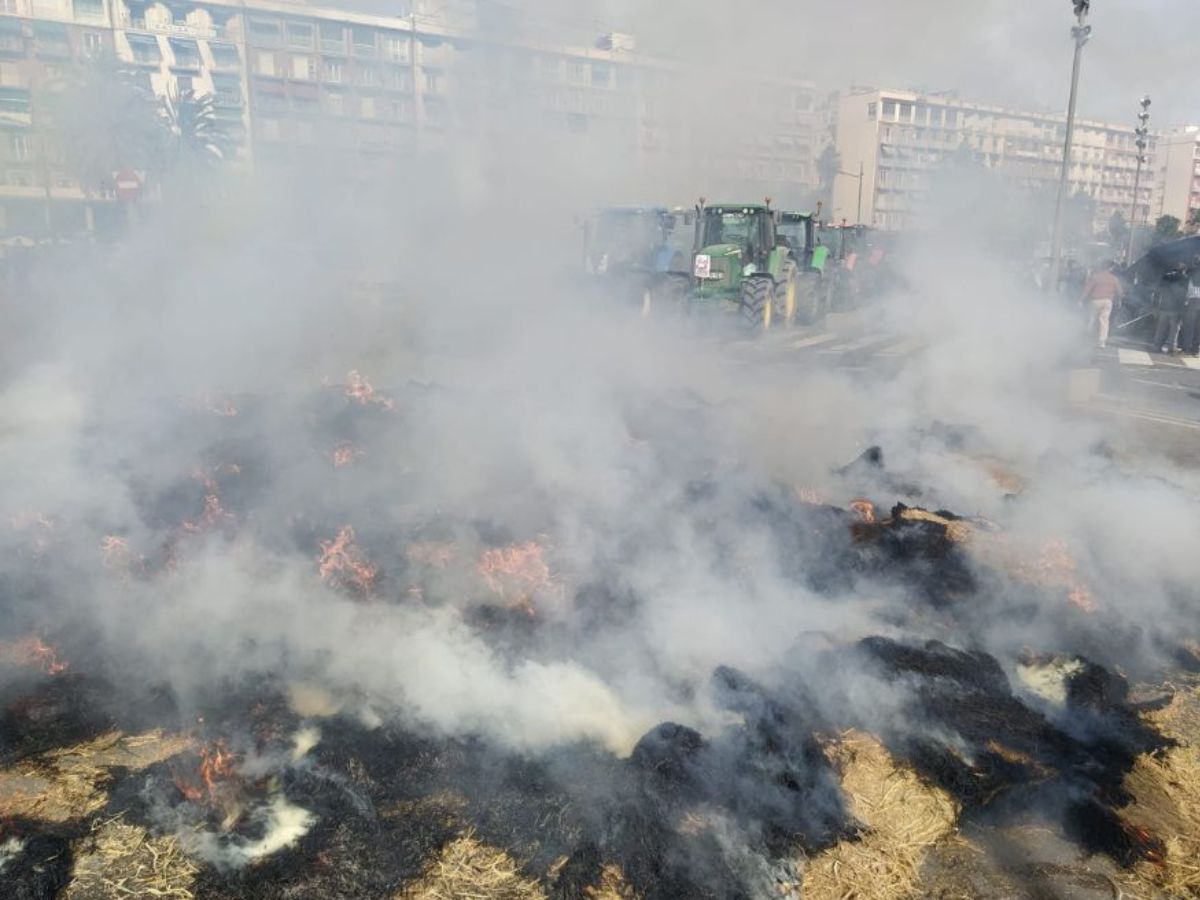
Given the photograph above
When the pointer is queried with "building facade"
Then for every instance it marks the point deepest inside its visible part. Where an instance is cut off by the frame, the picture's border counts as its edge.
(902, 139)
(293, 82)
(1177, 175)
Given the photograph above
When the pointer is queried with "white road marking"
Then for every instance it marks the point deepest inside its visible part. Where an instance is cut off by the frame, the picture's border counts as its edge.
(904, 348)
(814, 340)
(861, 343)
(1134, 357)
(1192, 362)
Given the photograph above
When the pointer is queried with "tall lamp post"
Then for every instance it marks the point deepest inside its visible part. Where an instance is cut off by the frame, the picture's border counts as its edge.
(1082, 32)
(1142, 132)
(859, 176)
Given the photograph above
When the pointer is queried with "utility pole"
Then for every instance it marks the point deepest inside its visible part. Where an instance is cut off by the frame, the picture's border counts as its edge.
(1142, 131)
(1082, 32)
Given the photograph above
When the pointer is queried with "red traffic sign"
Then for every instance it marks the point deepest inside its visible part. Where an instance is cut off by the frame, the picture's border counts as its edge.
(127, 184)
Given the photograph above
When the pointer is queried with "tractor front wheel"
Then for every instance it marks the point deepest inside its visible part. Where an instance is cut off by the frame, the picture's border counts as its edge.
(756, 304)
(808, 301)
(787, 295)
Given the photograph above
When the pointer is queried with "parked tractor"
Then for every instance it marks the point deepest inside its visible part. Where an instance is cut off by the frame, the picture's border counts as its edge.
(741, 259)
(814, 290)
(641, 253)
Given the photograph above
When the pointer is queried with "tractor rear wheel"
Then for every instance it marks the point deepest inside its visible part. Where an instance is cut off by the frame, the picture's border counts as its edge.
(756, 303)
(787, 294)
(808, 300)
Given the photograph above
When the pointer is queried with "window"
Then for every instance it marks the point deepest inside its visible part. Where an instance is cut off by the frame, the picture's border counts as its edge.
(10, 7)
(366, 107)
(906, 112)
(299, 34)
(51, 40)
(368, 76)
(577, 73)
(93, 43)
(227, 89)
(303, 68)
(364, 42)
(333, 38)
(18, 147)
(401, 110)
(602, 75)
(397, 78)
(397, 48)
(186, 53)
(306, 100)
(269, 98)
(145, 49)
(264, 63)
(335, 103)
(184, 84)
(331, 71)
(431, 81)
(872, 111)
(225, 56)
(10, 75)
(89, 10)
(264, 32)
(889, 110)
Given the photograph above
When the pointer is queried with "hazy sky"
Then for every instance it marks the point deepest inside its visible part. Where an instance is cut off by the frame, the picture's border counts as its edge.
(1006, 51)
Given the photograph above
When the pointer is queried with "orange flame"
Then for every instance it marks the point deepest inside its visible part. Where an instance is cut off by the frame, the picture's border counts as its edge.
(217, 763)
(346, 453)
(342, 564)
(517, 573)
(34, 652)
(360, 390)
(865, 510)
(1055, 566)
(117, 555)
(214, 514)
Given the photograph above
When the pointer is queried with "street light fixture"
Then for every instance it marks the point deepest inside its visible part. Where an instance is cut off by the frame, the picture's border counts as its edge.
(1142, 133)
(1081, 32)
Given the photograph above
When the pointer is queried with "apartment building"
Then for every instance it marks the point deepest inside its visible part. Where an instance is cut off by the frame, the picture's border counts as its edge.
(1177, 174)
(294, 82)
(901, 139)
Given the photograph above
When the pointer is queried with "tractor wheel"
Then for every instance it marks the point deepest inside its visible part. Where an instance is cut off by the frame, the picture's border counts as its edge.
(756, 303)
(787, 295)
(665, 297)
(808, 300)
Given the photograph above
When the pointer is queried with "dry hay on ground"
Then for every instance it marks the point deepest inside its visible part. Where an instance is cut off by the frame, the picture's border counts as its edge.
(903, 816)
(612, 886)
(1166, 791)
(467, 869)
(118, 861)
(72, 782)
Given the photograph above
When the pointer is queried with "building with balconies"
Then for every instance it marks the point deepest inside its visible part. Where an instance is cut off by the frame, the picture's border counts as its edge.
(1177, 175)
(903, 138)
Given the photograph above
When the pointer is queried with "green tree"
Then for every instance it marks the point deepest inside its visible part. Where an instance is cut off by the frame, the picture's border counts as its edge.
(106, 120)
(1118, 230)
(829, 163)
(196, 139)
(1193, 222)
(1166, 229)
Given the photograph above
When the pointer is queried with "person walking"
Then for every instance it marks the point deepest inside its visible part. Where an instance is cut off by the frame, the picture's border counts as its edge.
(1100, 293)
(1189, 341)
(1172, 297)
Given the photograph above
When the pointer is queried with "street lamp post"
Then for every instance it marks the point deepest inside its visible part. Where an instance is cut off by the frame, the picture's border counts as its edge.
(859, 176)
(1081, 33)
(1142, 131)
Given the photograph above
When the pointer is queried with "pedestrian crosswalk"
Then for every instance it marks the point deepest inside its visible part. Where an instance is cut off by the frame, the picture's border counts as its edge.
(1145, 359)
(837, 348)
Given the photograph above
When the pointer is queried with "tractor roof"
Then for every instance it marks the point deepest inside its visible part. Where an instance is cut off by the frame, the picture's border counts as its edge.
(738, 207)
(796, 216)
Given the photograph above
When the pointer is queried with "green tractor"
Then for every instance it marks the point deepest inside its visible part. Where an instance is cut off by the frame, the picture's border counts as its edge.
(815, 290)
(741, 259)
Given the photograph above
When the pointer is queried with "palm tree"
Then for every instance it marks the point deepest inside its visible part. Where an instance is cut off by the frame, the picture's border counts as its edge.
(197, 139)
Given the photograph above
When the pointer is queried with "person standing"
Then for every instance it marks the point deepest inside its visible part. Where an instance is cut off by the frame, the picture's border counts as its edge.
(1190, 340)
(1172, 297)
(1099, 295)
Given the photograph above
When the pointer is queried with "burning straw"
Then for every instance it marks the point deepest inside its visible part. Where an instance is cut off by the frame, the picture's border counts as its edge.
(903, 816)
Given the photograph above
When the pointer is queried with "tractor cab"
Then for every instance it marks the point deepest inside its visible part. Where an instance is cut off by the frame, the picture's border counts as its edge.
(799, 230)
(625, 240)
(734, 242)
